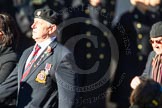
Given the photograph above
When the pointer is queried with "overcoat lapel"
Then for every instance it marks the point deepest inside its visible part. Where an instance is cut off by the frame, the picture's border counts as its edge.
(23, 62)
(40, 60)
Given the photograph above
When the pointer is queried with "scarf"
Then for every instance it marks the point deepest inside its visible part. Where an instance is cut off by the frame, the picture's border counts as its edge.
(157, 68)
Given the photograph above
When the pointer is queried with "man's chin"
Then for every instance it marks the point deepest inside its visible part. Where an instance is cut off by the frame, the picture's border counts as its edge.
(34, 37)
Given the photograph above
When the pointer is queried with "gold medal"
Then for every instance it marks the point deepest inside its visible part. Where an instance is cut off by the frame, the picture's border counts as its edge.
(41, 77)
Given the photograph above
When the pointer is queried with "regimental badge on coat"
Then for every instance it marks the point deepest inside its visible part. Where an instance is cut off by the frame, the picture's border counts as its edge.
(42, 75)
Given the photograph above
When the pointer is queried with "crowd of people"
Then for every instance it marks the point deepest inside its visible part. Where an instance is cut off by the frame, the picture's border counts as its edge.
(60, 54)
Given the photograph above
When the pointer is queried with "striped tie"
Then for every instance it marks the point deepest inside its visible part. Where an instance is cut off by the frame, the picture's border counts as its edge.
(29, 65)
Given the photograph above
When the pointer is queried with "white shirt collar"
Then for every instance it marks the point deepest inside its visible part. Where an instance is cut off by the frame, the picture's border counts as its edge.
(45, 43)
(43, 46)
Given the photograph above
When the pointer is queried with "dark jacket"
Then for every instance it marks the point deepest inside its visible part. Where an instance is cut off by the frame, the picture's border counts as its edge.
(58, 85)
(148, 69)
(8, 60)
(136, 41)
(138, 25)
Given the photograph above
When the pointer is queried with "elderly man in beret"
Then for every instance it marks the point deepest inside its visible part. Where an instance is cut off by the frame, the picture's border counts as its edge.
(44, 76)
(153, 67)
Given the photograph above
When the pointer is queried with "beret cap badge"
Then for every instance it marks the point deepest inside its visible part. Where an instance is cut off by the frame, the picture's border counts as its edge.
(38, 13)
(48, 15)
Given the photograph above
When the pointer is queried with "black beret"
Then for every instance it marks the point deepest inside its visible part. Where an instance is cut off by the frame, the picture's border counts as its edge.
(46, 14)
(156, 30)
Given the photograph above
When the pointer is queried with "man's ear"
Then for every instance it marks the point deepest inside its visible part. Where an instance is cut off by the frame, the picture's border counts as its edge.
(1, 33)
(52, 28)
(1, 36)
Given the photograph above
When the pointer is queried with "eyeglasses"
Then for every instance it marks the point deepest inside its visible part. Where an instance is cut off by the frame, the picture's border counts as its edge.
(156, 41)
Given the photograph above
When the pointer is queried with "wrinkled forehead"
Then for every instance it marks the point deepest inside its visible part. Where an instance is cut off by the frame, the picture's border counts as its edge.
(157, 38)
(39, 20)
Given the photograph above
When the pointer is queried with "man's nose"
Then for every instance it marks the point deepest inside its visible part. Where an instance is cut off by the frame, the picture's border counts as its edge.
(33, 25)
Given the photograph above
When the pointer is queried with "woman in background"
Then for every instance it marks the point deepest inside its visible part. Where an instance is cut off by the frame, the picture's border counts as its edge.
(8, 41)
(8, 55)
